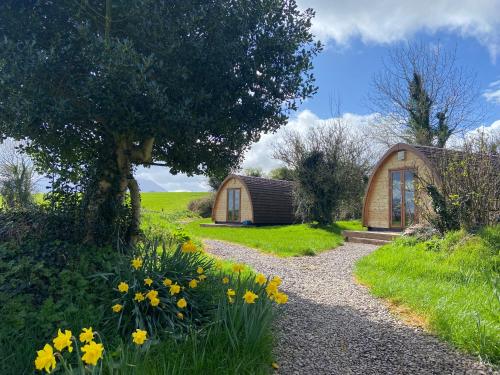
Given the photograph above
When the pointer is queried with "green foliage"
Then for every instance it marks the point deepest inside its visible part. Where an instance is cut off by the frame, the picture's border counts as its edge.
(16, 185)
(45, 285)
(451, 281)
(282, 173)
(280, 240)
(202, 206)
(254, 172)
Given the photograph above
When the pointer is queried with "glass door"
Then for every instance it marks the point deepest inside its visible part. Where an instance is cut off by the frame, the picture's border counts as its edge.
(233, 205)
(402, 199)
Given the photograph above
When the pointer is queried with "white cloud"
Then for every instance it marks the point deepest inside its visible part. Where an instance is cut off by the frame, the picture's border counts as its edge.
(389, 21)
(159, 178)
(260, 155)
(492, 94)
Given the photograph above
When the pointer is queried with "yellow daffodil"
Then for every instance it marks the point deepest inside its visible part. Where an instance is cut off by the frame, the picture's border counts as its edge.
(276, 280)
(63, 340)
(180, 315)
(200, 270)
(230, 294)
(137, 263)
(167, 282)
(87, 335)
(139, 336)
(154, 302)
(188, 247)
(238, 267)
(275, 365)
(174, 289)
(193, 283)
(148, 281)
(225, 280)
(218, 265)
(45, 359)
(123, 287)
(139, 297)
(181, 303)
(117, 308)
(92, 353)
(260, 279)
(152, 294)
(250, 297)
(202, 277)
(271, 289)
(280, 298)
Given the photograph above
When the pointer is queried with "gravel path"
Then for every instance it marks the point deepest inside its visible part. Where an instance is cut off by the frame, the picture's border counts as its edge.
(331, 325)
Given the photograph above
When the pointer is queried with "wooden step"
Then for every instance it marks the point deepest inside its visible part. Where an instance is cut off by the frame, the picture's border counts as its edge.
(368, 241)
(386, 236)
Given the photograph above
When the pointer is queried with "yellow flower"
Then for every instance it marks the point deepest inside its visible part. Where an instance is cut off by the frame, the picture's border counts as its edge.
(218, 265)
(148, 281)
(276, 280)
(230, 294)
(123, 287)
(63, 340)
(139, 336)
(225, 280)
(174, 289)
(152, 294)
(180, 315)
(200, 270)
(167, 282)
(87, 335)
(155, 302)
(117, 308)
(238, 267)
(45, 359)
(139, 297)
(181, 303)
(93, 352)
(137, 263)
(202, 277)
(275, 365)
(193, 283)
(271, 289)
(260, 279)
(250, 297)
(188, 247)
(280, 298)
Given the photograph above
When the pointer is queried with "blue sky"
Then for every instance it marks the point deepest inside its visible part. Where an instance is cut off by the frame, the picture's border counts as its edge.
(357, 35)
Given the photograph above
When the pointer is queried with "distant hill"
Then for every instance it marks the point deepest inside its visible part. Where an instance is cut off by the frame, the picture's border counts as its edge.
(148, 185)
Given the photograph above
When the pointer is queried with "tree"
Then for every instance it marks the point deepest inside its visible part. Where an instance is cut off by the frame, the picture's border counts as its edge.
(330, 165)
(281, 173)
(423, 97)
(253, 172)
(97, 87)
(17, 178)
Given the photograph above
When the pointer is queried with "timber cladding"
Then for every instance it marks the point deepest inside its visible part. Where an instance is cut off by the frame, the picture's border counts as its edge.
(401, 157)
(262, 200)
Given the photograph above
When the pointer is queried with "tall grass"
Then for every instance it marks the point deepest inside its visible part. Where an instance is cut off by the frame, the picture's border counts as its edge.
(453, 282)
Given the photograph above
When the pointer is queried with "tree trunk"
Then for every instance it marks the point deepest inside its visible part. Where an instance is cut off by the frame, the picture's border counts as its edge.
(134, 230)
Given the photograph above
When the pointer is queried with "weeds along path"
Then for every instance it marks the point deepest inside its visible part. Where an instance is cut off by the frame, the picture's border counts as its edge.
(331, 325)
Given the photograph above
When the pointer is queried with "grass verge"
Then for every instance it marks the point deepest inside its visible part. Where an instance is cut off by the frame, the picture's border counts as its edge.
(452, 283)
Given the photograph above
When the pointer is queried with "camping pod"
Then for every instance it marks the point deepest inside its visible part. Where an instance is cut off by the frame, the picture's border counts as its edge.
(253, 200)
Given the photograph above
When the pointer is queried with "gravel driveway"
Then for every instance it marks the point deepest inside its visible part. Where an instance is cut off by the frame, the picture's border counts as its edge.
(331, 325)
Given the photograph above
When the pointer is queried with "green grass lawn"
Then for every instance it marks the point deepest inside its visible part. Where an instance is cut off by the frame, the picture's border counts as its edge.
(282, 240)
(453, 283)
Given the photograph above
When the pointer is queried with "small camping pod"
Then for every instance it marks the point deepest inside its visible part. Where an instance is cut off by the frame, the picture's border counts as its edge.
(390, 199)
(255, 200)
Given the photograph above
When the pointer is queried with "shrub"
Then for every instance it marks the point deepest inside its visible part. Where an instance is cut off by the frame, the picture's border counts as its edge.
(202, 206)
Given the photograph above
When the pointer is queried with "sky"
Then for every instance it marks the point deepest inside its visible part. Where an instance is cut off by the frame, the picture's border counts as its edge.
(357, 35)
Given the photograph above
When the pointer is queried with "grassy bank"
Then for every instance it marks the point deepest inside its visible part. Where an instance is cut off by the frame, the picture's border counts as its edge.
(452, 283)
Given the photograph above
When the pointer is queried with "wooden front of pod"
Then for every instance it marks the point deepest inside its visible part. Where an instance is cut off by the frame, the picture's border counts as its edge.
(393, 200)
(232, 203)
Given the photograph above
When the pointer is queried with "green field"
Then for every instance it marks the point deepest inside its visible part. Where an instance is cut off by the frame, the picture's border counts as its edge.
(169, 202)
(283, 240)
(452, 283)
